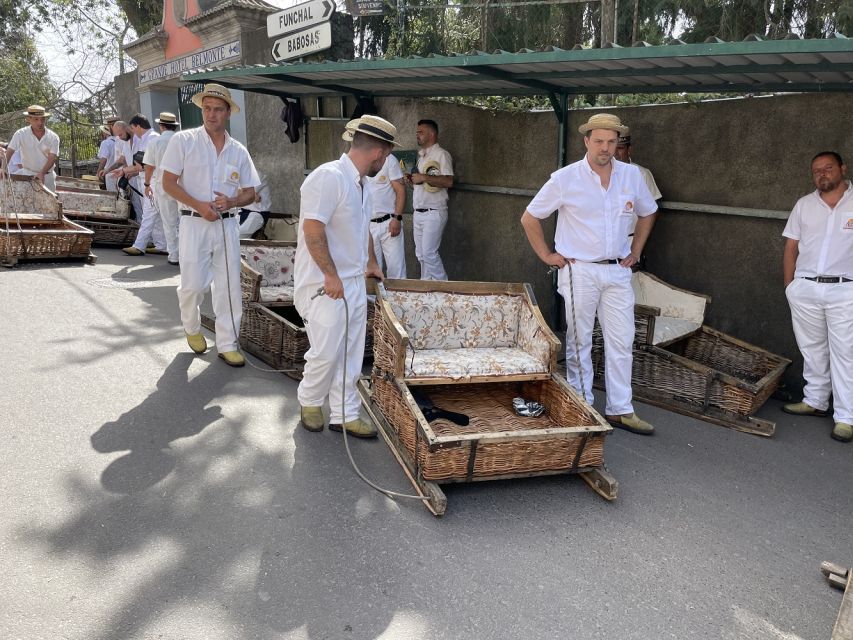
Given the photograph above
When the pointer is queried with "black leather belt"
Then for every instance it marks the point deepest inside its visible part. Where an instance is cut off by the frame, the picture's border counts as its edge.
(424, 210)
(385, 217)
(827, 279)
(196, 214)
(606, 262)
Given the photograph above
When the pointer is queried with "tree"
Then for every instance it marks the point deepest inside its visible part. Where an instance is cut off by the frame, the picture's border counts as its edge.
(23, 75)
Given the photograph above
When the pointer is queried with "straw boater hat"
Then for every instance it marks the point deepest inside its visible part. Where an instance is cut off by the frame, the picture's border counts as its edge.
(171, 118)
(105, 128)
(373, 126)
(624, 141)
(214, 90)
(604, 121)
(36, 111)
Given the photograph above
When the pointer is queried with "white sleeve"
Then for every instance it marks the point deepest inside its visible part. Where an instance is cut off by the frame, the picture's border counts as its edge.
(394, 170)
(547, 201)
(792, 227)
(173, 158)
(446, 163)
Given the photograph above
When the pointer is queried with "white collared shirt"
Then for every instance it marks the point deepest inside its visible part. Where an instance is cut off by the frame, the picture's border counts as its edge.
(154, 153)
(423, 199)
(825, 235)
(140, 143)
(191, 155)
(382, 193)
(122, 150)
(34, 152)
(107, 149)
(593, 222)
(333, 194)
(649, 179)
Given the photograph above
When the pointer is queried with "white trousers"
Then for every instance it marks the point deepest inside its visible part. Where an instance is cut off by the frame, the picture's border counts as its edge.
(392, 248)
(603, 290)
(428, 226)
(169, 217)
(151, 227)
(325, 320)
(204, 253)
(252, 223)
(822, 315)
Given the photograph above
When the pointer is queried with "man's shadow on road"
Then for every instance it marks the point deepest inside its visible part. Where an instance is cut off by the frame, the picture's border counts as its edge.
(177, 409)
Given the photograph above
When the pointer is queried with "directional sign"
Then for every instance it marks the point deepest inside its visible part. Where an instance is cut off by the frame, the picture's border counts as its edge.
(300, 16)
(301, 43)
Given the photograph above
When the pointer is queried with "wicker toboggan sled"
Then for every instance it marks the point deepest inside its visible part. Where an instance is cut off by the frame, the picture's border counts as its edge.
(32, 226)
(470, 348)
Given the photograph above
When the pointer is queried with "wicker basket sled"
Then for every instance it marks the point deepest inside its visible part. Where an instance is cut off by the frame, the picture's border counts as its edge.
(271, 328)
(32, 226)
(506, 351)
(688, 367)
(105, 213)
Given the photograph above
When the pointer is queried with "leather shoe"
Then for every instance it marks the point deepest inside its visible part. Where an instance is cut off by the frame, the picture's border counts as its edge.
(842, 432)
(357, 428)
(311, 418)
(197, 342)
(233, 358)
(803, 409)
(133, 251)
(156, 251)
(632, 423)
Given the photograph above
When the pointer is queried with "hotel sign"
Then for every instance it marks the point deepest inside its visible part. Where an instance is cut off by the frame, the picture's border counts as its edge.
(174, 68)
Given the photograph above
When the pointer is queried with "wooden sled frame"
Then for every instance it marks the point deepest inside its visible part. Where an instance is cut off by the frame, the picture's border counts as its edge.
(598, 478)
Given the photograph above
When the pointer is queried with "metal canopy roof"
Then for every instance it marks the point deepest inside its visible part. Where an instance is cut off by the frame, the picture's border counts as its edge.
(714, 66)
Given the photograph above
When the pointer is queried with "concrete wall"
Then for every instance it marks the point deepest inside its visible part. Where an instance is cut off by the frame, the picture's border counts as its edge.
(751, 153)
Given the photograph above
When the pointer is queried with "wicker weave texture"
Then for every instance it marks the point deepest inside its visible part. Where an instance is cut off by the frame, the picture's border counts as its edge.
(61, 240)
(489, 407)
(708, 367)
(112, 233)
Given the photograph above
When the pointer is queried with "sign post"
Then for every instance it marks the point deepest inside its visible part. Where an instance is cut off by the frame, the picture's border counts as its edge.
(302, 43)
(300, 16)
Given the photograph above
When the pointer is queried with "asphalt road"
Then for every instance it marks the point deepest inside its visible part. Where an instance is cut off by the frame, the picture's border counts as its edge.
(148, 493)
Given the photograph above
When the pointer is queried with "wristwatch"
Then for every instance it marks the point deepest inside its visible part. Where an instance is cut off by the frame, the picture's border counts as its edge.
(398, 217)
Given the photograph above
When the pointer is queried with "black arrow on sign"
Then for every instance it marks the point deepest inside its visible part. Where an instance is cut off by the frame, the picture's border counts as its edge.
(327, 8)
(275, 49)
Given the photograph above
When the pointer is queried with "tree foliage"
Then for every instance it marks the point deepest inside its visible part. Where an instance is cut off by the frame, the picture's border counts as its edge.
(23, 75)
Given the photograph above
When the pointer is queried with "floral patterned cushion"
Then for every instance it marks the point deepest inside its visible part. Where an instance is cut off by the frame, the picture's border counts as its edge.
(275, 264)
(439, 320)
(280, 293)
(466, 363)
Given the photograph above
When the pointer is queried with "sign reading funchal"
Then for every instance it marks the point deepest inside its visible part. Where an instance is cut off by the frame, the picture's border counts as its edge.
(306, 29)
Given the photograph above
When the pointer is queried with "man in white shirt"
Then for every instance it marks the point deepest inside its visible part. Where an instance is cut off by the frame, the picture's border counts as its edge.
(818, 275)
(596, 200)
(386, 227)
(434, 176)
(165, 207)
(334, 252)
(209, 173)
(254, 216)
(106, 150)
(150, 224)
(122, 137)
(38, 146)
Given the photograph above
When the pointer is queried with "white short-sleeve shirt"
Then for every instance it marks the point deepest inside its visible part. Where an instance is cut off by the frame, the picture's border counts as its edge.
(122, 150)
(333, 194)
(265, 203)
(824, 235)
(191, 155)
(421, 198)
(593, 222)
(154, 154)
(107, 148)
(382, 193)
(34, 152)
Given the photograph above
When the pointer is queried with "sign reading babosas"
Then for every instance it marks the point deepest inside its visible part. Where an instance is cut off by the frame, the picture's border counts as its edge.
(206, 58)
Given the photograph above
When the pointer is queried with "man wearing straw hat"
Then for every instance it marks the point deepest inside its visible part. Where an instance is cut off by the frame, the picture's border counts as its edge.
(38, 146)
(166, 207)
(334, 252)
(106, 151)
(596, 200)
(209, 173)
